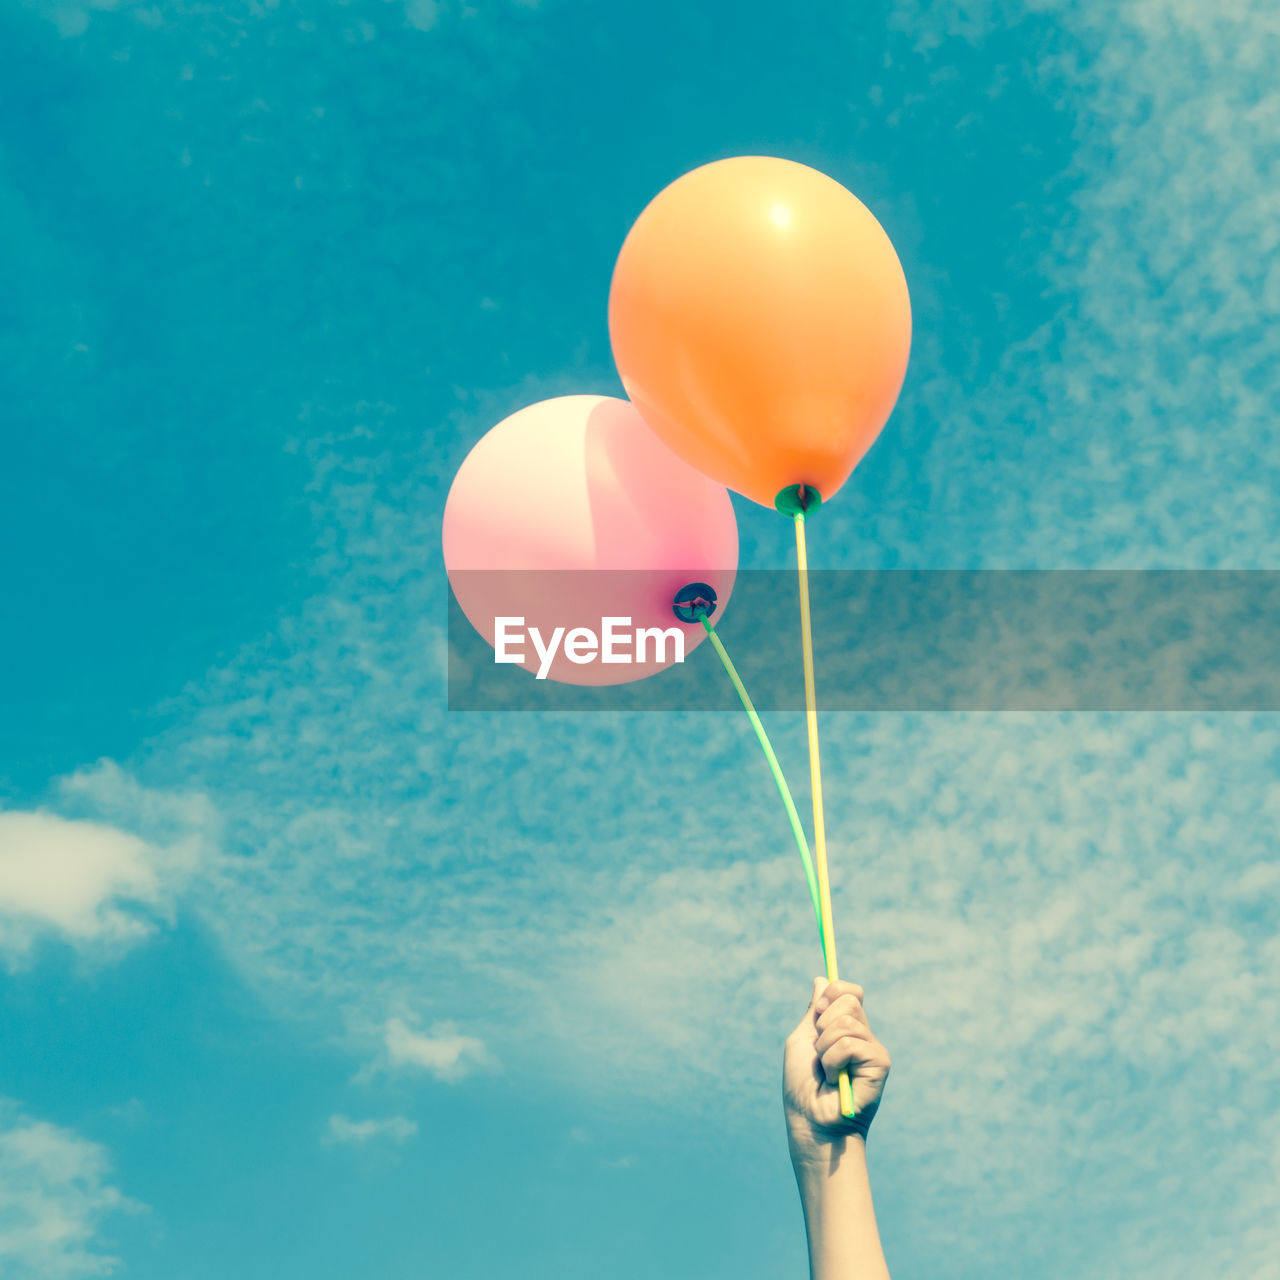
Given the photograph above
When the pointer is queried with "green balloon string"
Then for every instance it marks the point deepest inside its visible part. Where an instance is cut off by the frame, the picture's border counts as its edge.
(783, 790)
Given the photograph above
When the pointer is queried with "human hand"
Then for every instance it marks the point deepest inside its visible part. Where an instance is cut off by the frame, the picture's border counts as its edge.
(833, 1034)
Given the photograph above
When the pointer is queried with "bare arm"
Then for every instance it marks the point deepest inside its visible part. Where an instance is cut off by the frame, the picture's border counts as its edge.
(828, 1152)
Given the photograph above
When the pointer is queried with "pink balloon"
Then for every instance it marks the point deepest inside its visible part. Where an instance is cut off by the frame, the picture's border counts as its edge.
(555, 495)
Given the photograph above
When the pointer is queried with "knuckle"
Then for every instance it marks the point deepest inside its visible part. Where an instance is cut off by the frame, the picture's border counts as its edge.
(851, 1004)
(841, 1051)
(843, 988)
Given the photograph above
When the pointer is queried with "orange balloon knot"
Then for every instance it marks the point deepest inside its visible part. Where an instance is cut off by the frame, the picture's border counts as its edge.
(797, 498)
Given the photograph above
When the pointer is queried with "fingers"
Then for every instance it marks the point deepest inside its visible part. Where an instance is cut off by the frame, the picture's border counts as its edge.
(855, 1053)
(844, 1035)
(842, 1029)
(833, 990)
(844, 1011)
(835, 1009)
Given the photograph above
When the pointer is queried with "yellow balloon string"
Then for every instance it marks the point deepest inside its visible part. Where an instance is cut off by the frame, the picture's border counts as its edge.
(815, 775)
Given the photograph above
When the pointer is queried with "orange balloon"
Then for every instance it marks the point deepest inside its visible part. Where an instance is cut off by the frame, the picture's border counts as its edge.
(761, 324)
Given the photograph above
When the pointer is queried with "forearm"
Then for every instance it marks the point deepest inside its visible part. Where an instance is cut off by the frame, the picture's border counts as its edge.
(839, 1218)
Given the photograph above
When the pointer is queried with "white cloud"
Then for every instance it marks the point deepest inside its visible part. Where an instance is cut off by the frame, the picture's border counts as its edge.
(82, 880)
(443, 1052)
(55, 1194)
(395, 1129)
(92, 884)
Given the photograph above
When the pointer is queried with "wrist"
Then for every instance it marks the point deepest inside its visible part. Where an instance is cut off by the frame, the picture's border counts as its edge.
(812, 1144)
(817, 1158)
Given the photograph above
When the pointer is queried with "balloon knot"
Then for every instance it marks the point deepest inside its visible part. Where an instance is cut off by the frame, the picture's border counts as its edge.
(693, 602)
(797, 498)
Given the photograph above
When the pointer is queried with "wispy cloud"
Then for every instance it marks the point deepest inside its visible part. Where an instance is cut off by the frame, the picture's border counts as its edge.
(55, 1195)
(1135, 427)
(343, 1131)
(184, 820)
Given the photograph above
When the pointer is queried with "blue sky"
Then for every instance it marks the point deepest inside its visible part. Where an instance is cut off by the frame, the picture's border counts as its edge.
(303, 976)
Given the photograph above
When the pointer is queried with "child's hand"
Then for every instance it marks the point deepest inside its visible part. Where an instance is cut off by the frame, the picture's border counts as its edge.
(833, 1034)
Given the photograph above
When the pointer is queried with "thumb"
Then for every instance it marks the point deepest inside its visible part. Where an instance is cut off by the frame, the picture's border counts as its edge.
(819, 986)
